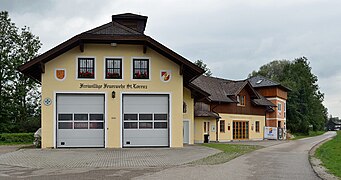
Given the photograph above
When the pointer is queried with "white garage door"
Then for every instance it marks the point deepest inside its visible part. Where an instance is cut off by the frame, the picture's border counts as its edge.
(80, 120)
(145, 120)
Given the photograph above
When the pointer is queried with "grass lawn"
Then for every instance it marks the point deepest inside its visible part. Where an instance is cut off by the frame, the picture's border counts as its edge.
(311, 134)
(230, 151)
(330, 155)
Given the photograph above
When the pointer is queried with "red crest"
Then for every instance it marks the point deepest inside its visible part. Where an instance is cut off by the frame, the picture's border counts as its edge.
(60, 74)
(165, 75)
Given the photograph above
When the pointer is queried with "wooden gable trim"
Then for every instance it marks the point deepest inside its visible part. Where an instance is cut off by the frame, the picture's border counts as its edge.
(81, 46)
(29, 68)
(42, 67)
(144, 49)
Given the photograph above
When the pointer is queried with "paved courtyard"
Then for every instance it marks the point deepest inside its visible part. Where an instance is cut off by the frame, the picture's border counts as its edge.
(97, 158)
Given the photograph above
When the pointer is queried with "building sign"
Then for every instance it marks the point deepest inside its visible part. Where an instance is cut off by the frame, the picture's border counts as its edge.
(270, 132)
(165, 75)
(112, 86)
(60, 74)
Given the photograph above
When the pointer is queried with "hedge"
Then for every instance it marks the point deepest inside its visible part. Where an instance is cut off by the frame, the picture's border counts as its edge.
(17, 138)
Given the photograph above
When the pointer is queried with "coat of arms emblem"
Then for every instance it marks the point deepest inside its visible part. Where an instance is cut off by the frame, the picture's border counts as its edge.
(165, 75)
(60, 74)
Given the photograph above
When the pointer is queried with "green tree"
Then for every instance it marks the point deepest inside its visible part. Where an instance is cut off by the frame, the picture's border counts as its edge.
(19, 97)
(202, 65)
(304, 103)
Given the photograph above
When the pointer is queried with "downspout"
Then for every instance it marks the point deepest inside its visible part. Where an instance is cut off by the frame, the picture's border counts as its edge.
(217, 122)
(265, 115)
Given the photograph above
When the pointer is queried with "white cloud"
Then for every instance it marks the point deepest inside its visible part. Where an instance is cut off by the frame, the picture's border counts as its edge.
(232, 37)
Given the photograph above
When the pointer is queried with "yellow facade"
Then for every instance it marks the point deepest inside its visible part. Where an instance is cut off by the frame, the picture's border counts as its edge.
(68, 61)
(188, 115)
(228, 134)
(200, 130)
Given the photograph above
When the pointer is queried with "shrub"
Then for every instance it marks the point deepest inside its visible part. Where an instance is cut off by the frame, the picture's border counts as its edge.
(16, 138)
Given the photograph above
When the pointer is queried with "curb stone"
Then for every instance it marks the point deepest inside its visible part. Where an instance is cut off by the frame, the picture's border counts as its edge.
(316, 163)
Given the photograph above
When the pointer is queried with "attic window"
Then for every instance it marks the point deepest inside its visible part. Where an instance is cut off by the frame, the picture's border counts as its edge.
(259, 81)
(241, 100)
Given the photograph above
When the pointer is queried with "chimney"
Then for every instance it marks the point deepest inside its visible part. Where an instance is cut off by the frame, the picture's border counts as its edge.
(133, 21)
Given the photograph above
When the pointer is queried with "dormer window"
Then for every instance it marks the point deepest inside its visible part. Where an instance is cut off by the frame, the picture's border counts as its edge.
(86, 68)
(241, 100)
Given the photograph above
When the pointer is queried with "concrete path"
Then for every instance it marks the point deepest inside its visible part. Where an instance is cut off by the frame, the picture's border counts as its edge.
(98, 158)
(10, 148)
(282, 161)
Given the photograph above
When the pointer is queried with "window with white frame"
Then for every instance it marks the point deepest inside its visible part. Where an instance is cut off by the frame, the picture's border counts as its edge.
(86, 68)
(113, 68)
(279, 109)
(141, 69)
(285, 110)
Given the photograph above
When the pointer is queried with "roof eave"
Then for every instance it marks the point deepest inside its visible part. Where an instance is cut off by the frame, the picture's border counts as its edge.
(83, 38)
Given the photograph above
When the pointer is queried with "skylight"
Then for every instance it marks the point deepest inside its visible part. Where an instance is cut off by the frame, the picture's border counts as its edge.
(259, 81)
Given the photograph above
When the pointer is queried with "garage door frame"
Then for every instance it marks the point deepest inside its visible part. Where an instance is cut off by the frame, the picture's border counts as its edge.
(77, 93)
(148, 93)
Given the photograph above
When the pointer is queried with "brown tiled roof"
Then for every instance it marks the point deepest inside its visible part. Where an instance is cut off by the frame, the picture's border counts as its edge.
(262, 101)
(223, 90)
(198, 113)
(112, 32)
(213, 87)
(232, 88)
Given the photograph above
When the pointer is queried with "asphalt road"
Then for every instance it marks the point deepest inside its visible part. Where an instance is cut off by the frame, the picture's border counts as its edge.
(283, 161)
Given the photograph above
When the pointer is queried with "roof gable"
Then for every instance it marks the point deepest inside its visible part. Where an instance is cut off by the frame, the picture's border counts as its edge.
(223, 90)
(113, 32)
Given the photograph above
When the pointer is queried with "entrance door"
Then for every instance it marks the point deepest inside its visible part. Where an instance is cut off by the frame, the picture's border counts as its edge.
(186, 132)
(240, 130)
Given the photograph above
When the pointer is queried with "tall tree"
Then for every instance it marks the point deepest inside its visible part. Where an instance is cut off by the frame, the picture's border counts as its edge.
(204, 66)
(19, 97)
(304, 104)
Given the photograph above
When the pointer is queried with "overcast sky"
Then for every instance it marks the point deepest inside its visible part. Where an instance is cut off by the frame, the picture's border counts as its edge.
(232, 37)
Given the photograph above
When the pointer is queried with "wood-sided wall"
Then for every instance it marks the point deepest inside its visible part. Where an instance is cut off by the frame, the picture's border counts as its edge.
(272, 92)
(234, 108)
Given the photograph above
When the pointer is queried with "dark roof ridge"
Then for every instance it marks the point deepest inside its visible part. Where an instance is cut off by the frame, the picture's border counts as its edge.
(268, 84)
(111, 24)
(268, 79)
(98, 28)
(126, 28)
(130, 15)
(217, 78)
